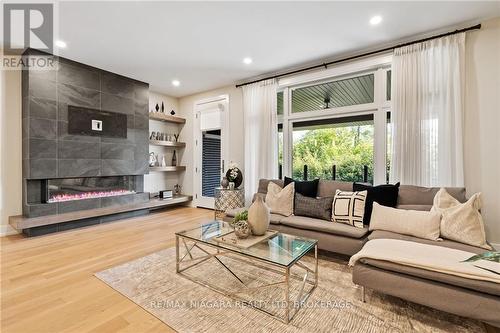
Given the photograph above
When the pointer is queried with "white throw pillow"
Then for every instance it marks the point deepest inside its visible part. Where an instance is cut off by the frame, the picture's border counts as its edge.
(422, 224)
(280, 200)
(349, 207)
(461, 222)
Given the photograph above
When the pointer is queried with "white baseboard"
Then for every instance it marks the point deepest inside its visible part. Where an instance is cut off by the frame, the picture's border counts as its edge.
(6, 230)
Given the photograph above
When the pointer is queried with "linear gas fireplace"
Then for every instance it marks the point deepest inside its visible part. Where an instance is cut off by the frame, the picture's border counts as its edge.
(68, 189)
(63, 195)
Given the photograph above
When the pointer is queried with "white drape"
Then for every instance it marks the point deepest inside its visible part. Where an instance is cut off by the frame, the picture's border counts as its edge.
(261, 156)
(427, 112)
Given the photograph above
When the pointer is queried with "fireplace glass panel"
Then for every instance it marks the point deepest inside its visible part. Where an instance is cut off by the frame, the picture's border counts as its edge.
(67, 189)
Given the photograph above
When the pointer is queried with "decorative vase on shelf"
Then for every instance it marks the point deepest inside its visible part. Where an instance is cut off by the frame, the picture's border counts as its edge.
(152, 159)
(162, 108)
(163, 162)
(231, 186)
(224, 183)
(157, 107)
(258, 217)
(172, 112)
(174, 159)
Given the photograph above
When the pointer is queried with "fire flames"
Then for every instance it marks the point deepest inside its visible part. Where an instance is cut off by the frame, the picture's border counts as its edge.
(87, 195)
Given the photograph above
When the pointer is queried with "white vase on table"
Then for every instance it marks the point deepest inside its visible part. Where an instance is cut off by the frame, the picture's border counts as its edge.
(259, 215)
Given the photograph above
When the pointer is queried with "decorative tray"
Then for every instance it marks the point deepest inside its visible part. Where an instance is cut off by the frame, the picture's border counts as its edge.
(244, 243)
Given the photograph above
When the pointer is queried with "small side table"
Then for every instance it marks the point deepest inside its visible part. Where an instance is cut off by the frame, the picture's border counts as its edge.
(226, 199)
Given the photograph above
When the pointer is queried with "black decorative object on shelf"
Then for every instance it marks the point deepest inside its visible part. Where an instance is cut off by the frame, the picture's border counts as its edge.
(174, 159)
(172, 112)
(162, 108)
(157, 107)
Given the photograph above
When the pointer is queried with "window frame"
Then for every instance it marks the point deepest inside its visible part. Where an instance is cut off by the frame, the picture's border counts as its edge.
(378, 65)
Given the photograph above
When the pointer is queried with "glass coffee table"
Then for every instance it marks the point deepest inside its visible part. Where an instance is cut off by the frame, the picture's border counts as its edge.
(277, 254)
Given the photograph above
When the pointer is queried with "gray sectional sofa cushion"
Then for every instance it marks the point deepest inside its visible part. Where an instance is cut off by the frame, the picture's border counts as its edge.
(426, 291)
(328, 242)
(421, 198)
(309, 223)
(475, 285)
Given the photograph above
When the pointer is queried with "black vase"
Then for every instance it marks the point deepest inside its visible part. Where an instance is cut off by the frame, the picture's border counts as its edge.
(174, 159)
(239, 178)
(162, 108)
(157, 107)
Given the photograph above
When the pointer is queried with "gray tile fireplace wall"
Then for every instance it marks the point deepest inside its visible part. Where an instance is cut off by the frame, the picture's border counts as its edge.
(50, 152)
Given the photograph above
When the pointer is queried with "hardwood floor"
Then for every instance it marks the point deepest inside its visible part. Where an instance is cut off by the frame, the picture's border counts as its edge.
(47, 282)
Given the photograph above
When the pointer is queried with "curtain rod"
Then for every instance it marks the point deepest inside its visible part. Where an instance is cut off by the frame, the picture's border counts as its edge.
(326, 64)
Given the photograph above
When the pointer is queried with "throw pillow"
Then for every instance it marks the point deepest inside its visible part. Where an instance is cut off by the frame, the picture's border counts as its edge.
(280, 200)
(417, 223)
(461, 222)
(385, 195)
(320, 208)
(349, 207)
(309, 188)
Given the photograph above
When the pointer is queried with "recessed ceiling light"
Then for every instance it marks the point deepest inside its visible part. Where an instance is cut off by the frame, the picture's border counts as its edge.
(247, 60)
(376, 20)
(176, 83)
(60, 44)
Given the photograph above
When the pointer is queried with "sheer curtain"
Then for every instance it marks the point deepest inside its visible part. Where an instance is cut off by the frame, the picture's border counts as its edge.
(261, 156)
(427, 112)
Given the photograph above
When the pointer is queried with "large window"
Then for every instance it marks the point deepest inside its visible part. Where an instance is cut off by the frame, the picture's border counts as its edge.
(337, 148)
(335, 124)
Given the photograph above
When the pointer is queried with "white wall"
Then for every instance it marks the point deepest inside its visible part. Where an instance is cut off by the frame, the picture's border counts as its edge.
(482, 122)
(156, 181)
(10, 145)
(236, 131)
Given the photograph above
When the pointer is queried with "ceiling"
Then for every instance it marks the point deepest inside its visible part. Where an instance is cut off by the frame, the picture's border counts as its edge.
(203, 44)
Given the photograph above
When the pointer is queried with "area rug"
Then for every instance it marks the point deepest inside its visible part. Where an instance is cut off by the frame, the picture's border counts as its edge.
(334, 306)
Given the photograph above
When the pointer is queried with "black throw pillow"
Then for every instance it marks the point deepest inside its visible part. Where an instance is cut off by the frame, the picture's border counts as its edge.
(308, 188)
(385, 195)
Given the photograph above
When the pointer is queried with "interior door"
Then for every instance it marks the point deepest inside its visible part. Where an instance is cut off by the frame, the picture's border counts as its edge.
(210, 148)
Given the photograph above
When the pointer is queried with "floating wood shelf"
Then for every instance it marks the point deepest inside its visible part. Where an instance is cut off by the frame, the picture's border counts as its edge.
(168, 168)
(20, 222)
(167, 143)
(166, 118)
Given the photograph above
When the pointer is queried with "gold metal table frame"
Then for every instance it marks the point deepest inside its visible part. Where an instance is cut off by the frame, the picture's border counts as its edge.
(290, 309)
